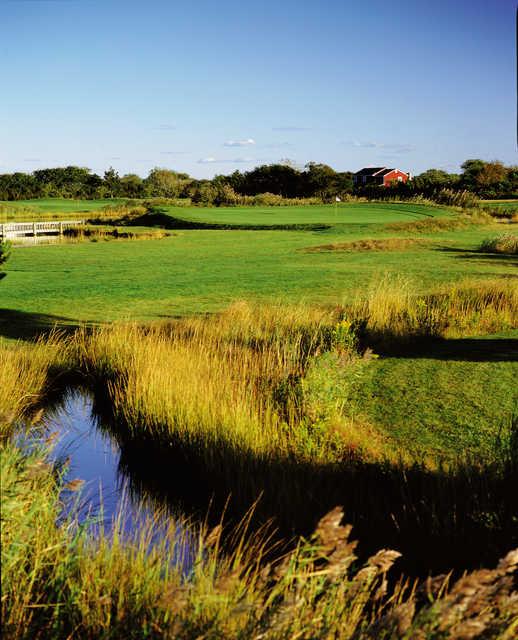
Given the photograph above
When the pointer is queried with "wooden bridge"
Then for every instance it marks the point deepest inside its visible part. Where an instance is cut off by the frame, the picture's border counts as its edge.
(21, 229)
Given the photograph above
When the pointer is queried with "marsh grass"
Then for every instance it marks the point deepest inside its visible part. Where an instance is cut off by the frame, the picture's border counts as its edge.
(243, 404)
(25, 372)
(506, 243)
(58, 581)
(240, 402)
(232, 378)
(97, 232)
(393, 311)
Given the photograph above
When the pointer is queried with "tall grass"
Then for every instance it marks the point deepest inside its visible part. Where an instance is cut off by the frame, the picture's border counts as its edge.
(228, 379)
(60, 582)
(24, 377)
(392, 309)
(506, 243)
(98, 232)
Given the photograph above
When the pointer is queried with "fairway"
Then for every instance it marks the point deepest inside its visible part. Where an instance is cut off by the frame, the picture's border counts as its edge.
(202, 270)
(52, 208)
(58, 205)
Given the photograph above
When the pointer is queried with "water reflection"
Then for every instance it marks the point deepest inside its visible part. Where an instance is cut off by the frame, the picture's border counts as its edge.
(92, 461)
(31, 241)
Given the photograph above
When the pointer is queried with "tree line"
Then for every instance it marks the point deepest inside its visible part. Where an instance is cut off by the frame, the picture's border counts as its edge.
(282, 180)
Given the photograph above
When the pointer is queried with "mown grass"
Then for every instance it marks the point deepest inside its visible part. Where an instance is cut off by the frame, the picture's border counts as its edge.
(344, 213)
(196, 271)
(59, 582)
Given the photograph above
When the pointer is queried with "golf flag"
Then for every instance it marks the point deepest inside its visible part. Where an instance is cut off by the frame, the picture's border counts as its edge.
(337, 199)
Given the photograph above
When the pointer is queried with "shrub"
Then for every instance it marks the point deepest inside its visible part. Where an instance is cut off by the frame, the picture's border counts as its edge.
(505, 243)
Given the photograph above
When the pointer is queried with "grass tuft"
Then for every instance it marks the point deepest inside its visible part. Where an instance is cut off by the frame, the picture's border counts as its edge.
(506, 243)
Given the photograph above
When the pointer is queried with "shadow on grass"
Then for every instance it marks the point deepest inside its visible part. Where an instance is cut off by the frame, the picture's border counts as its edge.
(157, 218)
(465, 349)
(29, 326)
(440, 520)
(472, 254)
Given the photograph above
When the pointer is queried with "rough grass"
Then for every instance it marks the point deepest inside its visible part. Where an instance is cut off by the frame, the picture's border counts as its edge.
(59, 582)
(53, 208)
(95, 233)
(506, 243)
(462, 220)
(24, 374)
(391, 310)
(370, 244)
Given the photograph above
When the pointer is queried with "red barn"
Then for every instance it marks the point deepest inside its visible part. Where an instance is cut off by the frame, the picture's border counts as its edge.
(380, 176)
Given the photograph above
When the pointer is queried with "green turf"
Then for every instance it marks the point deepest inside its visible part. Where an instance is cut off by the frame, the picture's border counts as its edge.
(458, 403)
(59, 205)
(203, 270)
(343, 213)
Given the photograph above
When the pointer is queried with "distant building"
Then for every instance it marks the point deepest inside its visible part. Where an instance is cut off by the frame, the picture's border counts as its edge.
(380, 176)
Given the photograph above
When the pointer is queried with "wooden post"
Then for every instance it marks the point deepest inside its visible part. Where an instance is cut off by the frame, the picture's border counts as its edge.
(34, 229)
(60, 228)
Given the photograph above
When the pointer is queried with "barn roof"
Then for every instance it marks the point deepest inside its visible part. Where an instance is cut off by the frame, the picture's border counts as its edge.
(369, 171)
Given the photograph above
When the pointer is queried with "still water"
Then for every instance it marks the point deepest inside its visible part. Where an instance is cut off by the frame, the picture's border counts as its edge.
(98, 486)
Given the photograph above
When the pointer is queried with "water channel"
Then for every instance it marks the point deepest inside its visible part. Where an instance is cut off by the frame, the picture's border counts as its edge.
(98, 486)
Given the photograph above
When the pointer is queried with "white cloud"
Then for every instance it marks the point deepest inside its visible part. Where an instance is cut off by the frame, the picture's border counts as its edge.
(395, 148)
(240, 143)
(211, 160)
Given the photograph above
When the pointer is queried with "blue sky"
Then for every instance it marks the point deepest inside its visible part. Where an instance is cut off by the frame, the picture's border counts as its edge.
(210, 87)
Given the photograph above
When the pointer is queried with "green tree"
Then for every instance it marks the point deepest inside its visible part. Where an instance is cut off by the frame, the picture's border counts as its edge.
(470, 171)
(132, 186)
(166, 183)
(492, 174)
(112, 182)
(320, 180)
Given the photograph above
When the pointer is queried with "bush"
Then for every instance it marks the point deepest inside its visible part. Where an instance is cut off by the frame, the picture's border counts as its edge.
(504, 243)
(5, 252)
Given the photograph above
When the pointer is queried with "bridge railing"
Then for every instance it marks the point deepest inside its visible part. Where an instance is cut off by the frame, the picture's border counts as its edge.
(11, 229)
